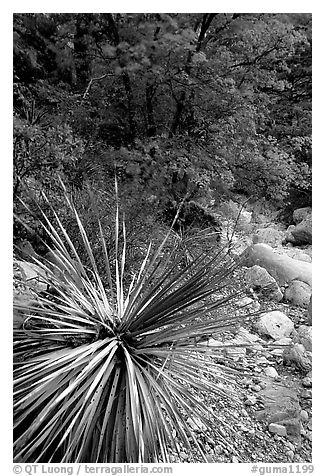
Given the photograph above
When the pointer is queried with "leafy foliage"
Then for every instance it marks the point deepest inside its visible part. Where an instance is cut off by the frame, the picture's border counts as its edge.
(222, 98)
(182, 109)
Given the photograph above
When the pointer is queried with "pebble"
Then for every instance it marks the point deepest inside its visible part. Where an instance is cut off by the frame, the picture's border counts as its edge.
(256, 388)
(302, 430)
(290, 445)
(262, 361)
(256, 348)
(183, 455)
(290, 454)
(306, 393)
(277, 429)
(197, 424)
(251, 400)
(218, 450)
(234, 459)
(306, 382)
(277, 352)
(244, 428)
(257, 369)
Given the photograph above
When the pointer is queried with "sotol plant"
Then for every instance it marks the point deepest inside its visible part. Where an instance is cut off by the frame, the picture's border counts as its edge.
(113, 374)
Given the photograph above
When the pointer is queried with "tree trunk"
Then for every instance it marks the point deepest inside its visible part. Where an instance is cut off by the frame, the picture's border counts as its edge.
(126, 80)
(180, 103)
(151, 127)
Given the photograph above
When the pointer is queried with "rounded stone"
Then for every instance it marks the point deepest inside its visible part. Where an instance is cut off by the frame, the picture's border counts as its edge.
(271, 372)
(275, 324)
(290, 454)
(304, 415)
(277, 429)
(298, 293)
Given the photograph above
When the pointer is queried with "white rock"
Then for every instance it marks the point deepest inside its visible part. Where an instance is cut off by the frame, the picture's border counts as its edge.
(271, 236)
(290, 454)
(302, 232)
(298, 293)
(281, 267)
(283, 341)
(251, 400)
(236, 352)
(288, 234)
(275, 324)
(258, 278)
(271, 372)
(196, 424)
(298, 254)
(310, 311)
(305, 336)
(300, 214)
(298, 356)
(214, 342)
(304, 415)
(245, 301)
(245, 337)
(277, 429)
(307, 382)
(35, 276)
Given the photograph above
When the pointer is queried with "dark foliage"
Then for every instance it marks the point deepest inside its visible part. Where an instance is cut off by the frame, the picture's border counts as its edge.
(178, 106)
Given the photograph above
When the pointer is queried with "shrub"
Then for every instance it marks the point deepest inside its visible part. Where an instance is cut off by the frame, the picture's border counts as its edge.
(109, 374)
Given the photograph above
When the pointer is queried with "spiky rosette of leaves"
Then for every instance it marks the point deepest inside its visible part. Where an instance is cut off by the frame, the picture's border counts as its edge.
(112, 374)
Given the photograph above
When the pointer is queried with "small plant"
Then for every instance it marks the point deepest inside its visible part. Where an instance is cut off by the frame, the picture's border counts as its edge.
(111, 374)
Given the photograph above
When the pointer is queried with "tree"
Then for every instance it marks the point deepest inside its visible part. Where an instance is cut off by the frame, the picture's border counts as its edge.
(235, 89)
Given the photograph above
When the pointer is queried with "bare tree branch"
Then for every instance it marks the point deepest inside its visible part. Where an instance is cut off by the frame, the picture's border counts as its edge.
(95, 79)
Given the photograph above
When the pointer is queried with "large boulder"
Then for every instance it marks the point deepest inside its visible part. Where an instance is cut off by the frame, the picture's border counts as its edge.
(298, 254)
(33, 275)
(25, 299)
(310, 311)
(298, 293)
(23, 295)
(270, 236)
(283, 268)
(242, 338)
(236, 347)
(288, 236)
(281, 406)
(298, 356)
(260, 280)
(274, 324)
(305, 336)
(302, 233)
(300, 214)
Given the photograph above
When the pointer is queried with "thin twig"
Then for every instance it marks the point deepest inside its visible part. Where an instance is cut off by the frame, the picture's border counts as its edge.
(95, 79)
(236, 223)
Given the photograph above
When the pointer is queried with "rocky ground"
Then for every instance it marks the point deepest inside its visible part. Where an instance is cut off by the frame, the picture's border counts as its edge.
(264, 382)
(272, 420)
